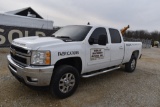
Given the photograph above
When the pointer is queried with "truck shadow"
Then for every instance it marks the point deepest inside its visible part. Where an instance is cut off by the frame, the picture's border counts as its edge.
(86, 84)
(112, 75)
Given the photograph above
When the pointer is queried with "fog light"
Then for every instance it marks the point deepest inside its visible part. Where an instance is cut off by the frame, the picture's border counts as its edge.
(30, 79)
(34, 79)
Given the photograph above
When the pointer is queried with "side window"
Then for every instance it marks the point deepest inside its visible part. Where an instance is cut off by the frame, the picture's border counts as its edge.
(99, 31)
(115, 36)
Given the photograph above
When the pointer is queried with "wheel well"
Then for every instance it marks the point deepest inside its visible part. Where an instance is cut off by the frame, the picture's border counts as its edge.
(74, 61)
(135, 53)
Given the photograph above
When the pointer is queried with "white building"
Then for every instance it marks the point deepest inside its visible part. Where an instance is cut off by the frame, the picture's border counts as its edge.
(26, 17)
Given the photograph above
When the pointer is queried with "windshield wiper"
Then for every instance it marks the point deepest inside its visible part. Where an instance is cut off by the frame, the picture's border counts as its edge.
(52, 35)
(63, 37)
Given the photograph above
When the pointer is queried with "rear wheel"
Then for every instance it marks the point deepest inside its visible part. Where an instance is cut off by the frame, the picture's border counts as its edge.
(131, 65)
(65, 81)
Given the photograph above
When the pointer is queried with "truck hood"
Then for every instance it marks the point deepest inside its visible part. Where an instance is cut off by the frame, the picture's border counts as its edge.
(35, 42)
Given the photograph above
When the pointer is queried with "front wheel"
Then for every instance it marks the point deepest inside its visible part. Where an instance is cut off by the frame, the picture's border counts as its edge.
(131, 65)
(65, 81)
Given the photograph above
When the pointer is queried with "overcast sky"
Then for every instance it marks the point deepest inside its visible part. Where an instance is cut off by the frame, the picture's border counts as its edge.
(139, 14)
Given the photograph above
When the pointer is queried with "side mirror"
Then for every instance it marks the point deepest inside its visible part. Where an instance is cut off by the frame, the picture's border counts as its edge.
(91, 41)
(102, 40)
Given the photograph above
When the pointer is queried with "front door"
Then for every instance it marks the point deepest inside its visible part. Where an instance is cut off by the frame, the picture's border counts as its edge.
(97, 56)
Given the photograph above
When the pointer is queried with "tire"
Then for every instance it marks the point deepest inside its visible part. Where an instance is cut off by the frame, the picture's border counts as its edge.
(64, 81)
(131, 65)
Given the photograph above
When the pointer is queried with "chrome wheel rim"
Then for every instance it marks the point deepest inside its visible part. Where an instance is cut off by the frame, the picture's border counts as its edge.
(133, 64)
(66, 82)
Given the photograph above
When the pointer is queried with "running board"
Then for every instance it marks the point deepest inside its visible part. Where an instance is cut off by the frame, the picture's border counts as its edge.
(100, 72)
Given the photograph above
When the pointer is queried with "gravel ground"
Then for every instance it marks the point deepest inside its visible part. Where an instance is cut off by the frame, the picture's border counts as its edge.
(113, 89)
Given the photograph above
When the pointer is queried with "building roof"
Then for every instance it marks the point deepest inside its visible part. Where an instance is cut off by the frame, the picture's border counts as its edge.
(29, 12)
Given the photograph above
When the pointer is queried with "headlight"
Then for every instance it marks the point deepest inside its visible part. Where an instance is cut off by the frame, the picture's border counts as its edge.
(41, 58)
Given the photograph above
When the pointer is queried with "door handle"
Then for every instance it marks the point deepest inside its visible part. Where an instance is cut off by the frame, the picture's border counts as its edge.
(120, 47)
(107, 48)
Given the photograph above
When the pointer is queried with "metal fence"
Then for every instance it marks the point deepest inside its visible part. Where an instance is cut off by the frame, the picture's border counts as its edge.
(146, 43)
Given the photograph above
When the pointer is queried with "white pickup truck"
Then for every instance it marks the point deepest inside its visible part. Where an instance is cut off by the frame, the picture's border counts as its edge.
(74, 51)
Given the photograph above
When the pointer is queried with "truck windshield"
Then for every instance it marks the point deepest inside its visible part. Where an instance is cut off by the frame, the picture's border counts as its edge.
(73, 32)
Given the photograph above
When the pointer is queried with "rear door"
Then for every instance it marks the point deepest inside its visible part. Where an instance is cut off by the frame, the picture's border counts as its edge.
(97, 56)
(117, 47)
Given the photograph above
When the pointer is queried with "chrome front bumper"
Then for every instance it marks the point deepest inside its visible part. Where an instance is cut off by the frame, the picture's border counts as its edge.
(31, 75)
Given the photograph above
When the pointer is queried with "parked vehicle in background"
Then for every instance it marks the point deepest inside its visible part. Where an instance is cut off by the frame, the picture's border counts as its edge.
(156, 43)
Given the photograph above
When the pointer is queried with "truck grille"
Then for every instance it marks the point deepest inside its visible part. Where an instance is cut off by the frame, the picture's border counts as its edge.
(19, 59)
(18, 49)
(20, 55)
